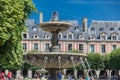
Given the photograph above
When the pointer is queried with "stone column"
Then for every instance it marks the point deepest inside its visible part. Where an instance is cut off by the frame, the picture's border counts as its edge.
(18, 73)
(29, 74)
(64, 73)
(108, 74)
(75, 74)
(97, 73)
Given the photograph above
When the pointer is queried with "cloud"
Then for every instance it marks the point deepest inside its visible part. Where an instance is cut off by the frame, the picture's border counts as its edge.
(93, 2)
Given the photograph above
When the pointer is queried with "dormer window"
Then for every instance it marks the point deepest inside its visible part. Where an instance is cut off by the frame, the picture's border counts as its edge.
(64, 36)
(111, 29)
(114, 36)
(35, 36)
(25, 35)
(47, 36)
(81, 37)
(92, 38)
(92, 29)
(101, 29)
(70, 36)
(103, 36)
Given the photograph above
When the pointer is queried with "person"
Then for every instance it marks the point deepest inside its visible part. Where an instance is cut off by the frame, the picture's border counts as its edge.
(2, 74)
(9, 75)
(60, 76)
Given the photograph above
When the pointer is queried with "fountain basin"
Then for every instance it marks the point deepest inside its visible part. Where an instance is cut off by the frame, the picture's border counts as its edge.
(54, 26)
(56, 60)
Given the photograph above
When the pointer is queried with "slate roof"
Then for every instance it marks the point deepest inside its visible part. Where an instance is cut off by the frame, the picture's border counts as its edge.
(97, 26)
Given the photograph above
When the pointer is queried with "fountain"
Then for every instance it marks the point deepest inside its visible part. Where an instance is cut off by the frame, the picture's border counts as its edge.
(55, 60)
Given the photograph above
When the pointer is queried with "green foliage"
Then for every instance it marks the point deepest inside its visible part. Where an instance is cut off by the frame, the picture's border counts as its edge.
(12, 16)
(96, 60)
(107, 61)
(29, 67)
(115, 59)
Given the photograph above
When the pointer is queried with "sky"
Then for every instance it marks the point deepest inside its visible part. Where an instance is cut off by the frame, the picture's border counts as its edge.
(107, 10)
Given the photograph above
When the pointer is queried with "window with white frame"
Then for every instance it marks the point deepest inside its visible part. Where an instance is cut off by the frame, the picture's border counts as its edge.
(103, 36)
(114, 47)
(24, 46)
(70, 35)
(114, 36)
(47, 45)
(69, 46)
(103, 48)
(81, 47)
(35, 36)
(35, 46)
(92, 38)
(81, 37)
(92, 48)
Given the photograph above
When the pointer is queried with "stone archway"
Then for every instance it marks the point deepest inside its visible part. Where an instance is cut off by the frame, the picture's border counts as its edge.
(114, 74)
(103, 74)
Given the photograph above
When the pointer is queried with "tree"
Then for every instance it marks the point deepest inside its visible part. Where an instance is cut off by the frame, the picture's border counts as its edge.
(107, 61)
(12, 16)
(95, 60)
(115, 59)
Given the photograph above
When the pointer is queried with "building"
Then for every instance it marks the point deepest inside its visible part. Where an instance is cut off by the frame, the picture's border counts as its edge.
(100, 37)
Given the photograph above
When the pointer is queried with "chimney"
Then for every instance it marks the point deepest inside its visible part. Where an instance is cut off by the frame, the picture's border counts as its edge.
(84, 24)
(41, 17)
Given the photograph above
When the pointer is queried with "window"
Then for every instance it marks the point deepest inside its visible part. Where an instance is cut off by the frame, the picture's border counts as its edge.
(92, 29)
(92, 38)
(114, 37)
(24, 35)
(119, 29)
(81, 47)
(81, 37)
(69, 46)
(103, 37)
(35, 46)
(64, 37)
(59, 36)
(25, 46)
(103, 49)
(92, 48)
(69, 36)
(35, 36)
(101, 29)
(47, 46)
(114, 47)
(59, 46)
(111, 29)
